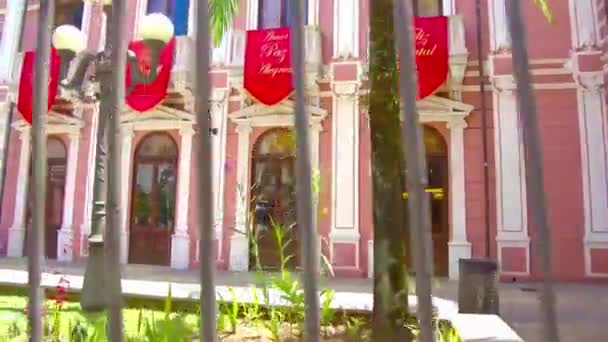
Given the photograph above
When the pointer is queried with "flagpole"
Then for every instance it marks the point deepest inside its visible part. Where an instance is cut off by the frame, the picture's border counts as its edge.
(39, 155)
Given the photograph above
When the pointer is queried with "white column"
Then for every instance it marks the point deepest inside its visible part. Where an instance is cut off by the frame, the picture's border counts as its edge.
(10, 38)
(593, 128)
(449, 7)
(85, 228)
(500, 39)
(16, 233)
(458, 247)
(511, 206)
(126, 155)
(584, 24)
(252, 14)
(180, 241)
(239, 243)
(346, 28)
(66, 233)
(219, 120)
(345, 166)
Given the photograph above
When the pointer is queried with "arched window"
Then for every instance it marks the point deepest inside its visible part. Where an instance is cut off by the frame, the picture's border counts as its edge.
(273, 197)
(153, 200)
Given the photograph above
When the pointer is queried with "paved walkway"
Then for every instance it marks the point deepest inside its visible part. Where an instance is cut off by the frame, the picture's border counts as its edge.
(582, 309)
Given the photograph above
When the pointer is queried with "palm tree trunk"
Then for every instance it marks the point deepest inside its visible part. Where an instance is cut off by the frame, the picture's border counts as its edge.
(390, 233)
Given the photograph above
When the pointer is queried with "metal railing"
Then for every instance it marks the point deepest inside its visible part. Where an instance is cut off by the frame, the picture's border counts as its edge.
(419, 210)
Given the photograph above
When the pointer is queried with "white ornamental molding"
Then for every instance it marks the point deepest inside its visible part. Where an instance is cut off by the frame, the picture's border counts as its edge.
(349, 90)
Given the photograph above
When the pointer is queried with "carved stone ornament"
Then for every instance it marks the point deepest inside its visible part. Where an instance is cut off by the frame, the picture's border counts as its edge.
(590, 81)
(346, 89)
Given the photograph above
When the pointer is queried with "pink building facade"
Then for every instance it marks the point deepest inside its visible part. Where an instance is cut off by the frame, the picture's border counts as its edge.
(159, 223)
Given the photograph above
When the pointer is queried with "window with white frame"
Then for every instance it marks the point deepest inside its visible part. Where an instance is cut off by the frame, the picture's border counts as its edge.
(176, 10)
(276, 13)
(69, 12)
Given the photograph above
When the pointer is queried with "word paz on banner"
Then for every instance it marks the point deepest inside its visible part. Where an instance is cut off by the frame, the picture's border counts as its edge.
(268, 71)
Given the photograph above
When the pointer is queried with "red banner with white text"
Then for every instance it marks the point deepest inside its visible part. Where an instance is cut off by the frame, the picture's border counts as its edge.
(432, 54)
(25, 101)
(144, 97)
(268, 74)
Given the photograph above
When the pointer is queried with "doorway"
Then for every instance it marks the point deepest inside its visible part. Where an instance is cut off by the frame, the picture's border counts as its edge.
(55, 196)
(275, 241)
(438, 177)
(153, 200)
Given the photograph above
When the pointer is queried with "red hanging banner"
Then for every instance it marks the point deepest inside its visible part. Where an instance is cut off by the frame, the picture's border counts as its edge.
(144, 97)
(268, 74)
(25, 101)
(432, 55)
(431, 37)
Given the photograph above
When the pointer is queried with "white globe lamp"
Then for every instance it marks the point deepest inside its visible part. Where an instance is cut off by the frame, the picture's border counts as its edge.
(68, 38)
(156, 27)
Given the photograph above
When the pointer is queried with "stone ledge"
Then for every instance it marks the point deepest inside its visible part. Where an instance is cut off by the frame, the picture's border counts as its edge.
(483, 328)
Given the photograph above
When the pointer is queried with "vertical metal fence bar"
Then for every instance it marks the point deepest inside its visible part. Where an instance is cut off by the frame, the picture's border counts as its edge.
(417, 178)
(205, 200)
(112, 240)
(305, 215)
(36, 245)
(534, 165)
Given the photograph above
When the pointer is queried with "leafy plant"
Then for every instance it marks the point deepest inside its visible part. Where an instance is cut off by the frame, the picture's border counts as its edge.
(354, 329)
(291, 292)
(229, 313)
(273, 324)
(328, 314)
(251, 311)
(172, 327)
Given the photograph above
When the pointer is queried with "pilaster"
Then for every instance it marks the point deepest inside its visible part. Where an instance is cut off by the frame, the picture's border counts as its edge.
(346, 29)
(584, 26)
(66, 233)
(180, 241)
(344, 234)
(594, 150)
(239, 243)
(126, 155)
(512, 237)
(16, 233)
(9, 43)
(500, 38)
(219, 120)
(458, 246)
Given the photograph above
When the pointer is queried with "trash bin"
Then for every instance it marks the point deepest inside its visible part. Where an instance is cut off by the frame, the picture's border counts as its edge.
(477, 286)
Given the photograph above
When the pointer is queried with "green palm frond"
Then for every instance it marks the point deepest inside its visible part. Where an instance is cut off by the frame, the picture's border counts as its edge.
(221, 16)
(544, 7)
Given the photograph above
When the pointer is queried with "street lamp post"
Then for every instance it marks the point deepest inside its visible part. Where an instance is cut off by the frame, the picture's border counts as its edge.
(156, 30)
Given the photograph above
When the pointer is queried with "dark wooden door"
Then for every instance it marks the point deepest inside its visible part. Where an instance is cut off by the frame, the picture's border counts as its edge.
(152, 220)
(153, 201)
(273, 200)
(55, 197)
(438, 193)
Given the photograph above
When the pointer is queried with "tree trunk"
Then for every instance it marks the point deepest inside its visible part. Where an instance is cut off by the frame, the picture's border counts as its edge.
(390, 233)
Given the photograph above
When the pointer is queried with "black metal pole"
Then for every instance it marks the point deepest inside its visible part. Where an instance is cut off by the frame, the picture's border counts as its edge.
(205, 195)
(114, 205)
(304, 212)
(484, 130)
(415, 158)
(535, 182)
(39, 151)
